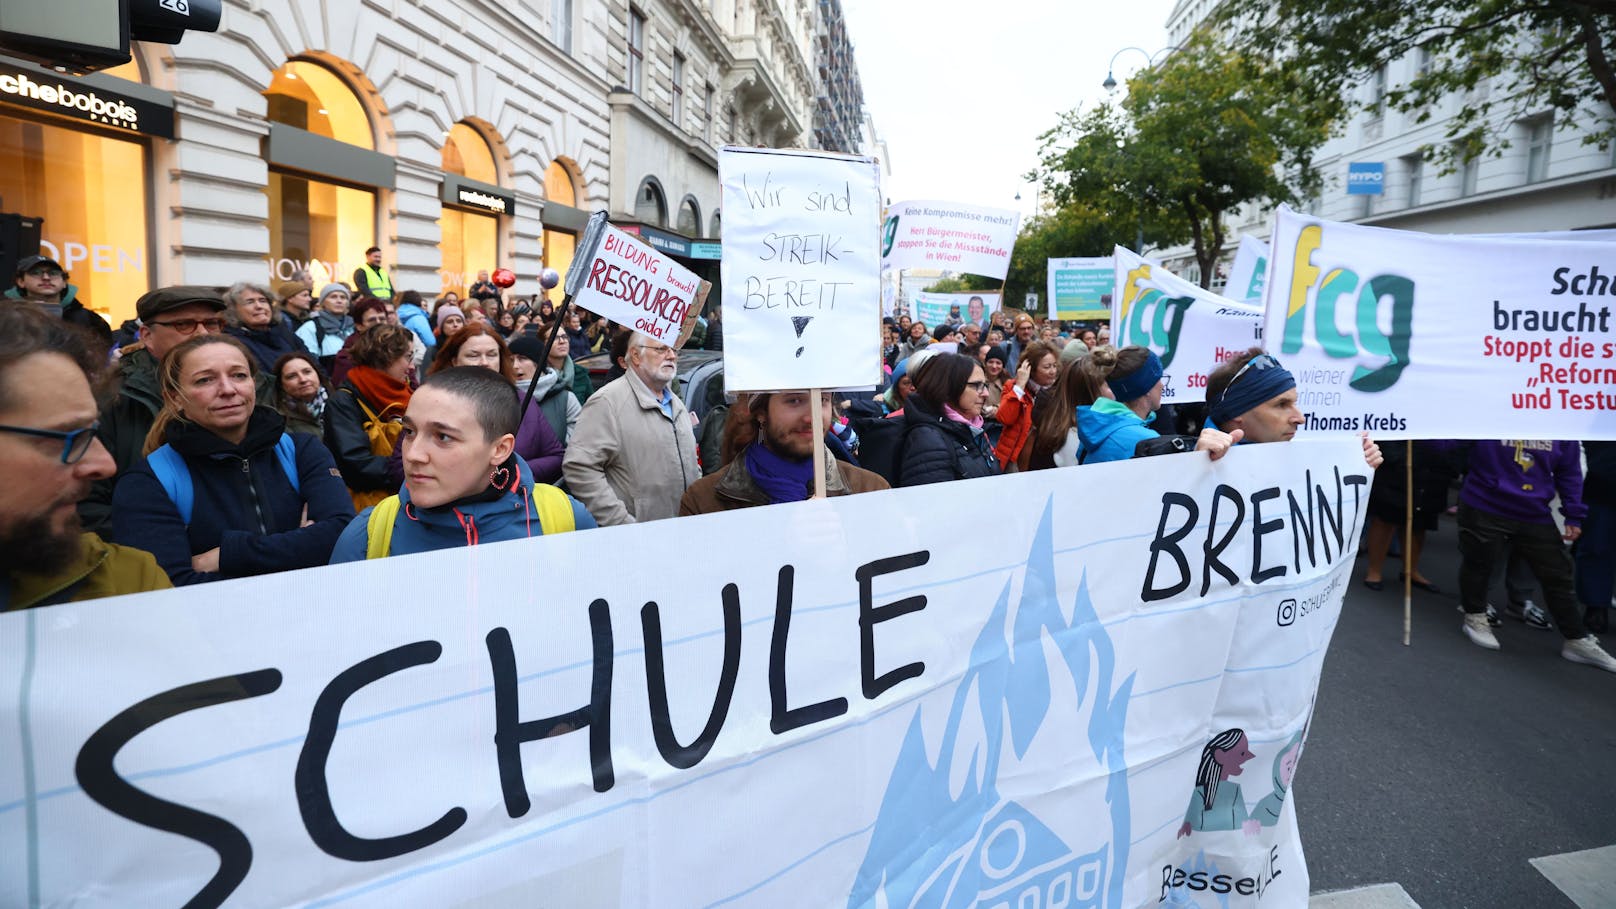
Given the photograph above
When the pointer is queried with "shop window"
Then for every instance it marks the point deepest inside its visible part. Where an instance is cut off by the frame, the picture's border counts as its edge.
(322, 227)
(718, 224)
(91, 192)
(650, 206)
(313, 98)
(558, 185)
(689, 222)
(470, 244)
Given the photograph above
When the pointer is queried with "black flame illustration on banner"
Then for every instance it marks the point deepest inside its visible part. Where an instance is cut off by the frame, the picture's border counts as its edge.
(800, 323)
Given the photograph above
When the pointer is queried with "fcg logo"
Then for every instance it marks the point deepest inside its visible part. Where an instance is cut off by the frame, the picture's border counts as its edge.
(1340, 288)
(1150, 318)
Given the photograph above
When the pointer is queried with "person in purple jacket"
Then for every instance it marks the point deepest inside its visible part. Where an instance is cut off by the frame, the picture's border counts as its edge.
(1505, 503)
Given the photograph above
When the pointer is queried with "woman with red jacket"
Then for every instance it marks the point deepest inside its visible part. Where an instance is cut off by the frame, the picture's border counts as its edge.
(1040, 364)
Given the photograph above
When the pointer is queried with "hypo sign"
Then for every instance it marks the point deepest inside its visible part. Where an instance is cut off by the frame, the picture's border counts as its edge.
(801, 269)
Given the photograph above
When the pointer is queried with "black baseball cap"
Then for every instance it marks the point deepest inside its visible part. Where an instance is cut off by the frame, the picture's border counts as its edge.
(28, 263)
(164, 299)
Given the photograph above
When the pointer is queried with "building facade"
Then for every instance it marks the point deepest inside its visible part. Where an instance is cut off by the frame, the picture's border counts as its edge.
(457, 136)
(1546, 180)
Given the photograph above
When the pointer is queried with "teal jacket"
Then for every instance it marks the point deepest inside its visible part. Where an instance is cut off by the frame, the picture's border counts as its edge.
(1108, 431)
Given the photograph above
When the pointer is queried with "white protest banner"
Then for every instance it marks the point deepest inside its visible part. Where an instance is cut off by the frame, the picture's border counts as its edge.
(1078, 287)
(1249, 270)
(801, 269)
(955, 309)
(1191, 329)
(873, 709)
(634, 285)
(1423, 336)
(949, 235)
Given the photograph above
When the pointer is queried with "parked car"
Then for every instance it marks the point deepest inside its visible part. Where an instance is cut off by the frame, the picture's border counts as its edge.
(699, 381)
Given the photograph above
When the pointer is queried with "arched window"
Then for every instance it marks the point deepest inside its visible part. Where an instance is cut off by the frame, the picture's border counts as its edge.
(311, 97)
(319, 226)
(468, 240)
(718, 223)
(689, 222)
(560, 191)
(467, 153)
(650, 205)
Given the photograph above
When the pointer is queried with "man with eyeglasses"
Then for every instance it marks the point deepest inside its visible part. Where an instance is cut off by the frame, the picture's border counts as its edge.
(49, 456)
(42, 282)
(633, 453)
(167, 316)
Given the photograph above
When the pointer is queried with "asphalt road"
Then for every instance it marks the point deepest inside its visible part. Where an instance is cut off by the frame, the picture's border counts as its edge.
(1445, 767)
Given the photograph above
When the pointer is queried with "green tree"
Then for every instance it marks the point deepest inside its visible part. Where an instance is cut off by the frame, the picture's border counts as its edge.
(1506, 60)
(1205, 132)
(950, 285)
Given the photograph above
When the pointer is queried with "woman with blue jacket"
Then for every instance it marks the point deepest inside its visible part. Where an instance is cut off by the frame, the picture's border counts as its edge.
(330, 325)
(224, 490)
(1109, 430)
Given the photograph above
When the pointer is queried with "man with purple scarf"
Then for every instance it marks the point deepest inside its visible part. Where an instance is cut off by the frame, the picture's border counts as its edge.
(768, 448)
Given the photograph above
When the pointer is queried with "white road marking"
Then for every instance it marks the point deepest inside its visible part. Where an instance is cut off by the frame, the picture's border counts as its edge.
(1375, 896)
(1587, 877)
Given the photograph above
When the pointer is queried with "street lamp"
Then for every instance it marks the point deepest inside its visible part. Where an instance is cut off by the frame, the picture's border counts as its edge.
(1110, 82)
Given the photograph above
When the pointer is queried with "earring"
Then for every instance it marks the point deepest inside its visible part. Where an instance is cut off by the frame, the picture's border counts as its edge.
(499, 477)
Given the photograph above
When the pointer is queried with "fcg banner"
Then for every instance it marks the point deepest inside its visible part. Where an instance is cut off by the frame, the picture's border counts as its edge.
(1424, 336)
(872, 710)
(1191, 329)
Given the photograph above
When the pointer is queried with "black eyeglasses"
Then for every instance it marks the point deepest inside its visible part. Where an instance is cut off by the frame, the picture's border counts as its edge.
(189, 326)
(74, 443)
(45, 273)
(1259, 362)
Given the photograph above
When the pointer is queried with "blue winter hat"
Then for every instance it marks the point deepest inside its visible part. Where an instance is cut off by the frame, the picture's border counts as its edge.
(1138, 383)
(1261, 379)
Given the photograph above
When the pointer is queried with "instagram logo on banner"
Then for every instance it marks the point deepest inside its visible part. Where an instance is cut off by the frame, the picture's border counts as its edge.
(1287, 613)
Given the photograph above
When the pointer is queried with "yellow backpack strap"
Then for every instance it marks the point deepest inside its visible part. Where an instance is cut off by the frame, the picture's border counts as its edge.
(554, 508)
(379, 529)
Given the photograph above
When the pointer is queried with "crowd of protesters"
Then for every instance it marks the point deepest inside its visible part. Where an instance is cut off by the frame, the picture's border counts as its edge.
(246, 430)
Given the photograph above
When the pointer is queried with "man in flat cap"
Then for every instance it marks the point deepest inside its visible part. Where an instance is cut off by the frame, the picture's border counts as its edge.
(167, 316)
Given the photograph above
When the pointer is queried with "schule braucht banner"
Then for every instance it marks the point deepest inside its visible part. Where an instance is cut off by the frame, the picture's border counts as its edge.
(846, 702)
(1424, 336)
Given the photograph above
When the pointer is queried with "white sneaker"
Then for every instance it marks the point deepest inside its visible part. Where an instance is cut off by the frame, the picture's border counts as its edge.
(1481, 634)
(1587, 650)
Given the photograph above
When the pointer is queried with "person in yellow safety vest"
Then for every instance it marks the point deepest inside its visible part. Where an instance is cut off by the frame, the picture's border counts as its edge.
(463, 482)
(371, 278)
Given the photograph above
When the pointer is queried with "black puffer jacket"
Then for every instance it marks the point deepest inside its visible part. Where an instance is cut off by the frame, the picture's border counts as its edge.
(936, 449)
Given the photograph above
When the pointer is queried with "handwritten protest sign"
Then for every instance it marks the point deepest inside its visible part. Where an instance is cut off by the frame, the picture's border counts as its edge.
(1191, 329)
(940, 309)
(785, 726)
(632, 284)
(951, 236)
(1424, 336)
(801, 269)
(1078, 287)
(1249, 270)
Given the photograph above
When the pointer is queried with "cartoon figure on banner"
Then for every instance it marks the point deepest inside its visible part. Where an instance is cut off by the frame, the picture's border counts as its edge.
(1216, 803)
(1269, 809)
(932, 849)
(1329, 287)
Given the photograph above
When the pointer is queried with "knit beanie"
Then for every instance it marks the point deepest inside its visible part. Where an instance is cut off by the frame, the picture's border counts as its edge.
(332, 288)
(445, 311)
(289, 289)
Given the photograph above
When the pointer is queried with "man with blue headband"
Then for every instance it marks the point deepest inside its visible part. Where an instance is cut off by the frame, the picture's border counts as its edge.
(1254, 395)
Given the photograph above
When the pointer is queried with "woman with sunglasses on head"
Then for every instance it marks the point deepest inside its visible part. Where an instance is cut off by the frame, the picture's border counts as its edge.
(224, 490)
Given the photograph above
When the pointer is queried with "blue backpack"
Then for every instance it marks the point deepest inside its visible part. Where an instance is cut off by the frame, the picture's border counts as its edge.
(175, 475)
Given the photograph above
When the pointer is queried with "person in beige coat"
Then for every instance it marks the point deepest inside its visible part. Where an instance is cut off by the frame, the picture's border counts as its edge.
(633, 453)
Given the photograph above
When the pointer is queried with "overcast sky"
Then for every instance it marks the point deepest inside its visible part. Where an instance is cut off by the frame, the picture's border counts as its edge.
(960, 91)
